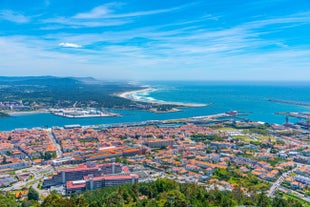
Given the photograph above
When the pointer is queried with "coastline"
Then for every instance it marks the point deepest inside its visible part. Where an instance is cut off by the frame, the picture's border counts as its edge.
(132, 95)
(21, 113)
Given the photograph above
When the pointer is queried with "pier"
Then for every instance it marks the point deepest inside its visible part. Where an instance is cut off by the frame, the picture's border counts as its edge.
(290, 102)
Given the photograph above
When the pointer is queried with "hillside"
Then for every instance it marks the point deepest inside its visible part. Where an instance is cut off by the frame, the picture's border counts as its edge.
(161, 193)
(49, 91)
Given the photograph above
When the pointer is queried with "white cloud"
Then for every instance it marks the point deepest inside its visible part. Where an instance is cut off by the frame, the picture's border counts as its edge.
(22, 55)
(97, 12)
(182, 49)
(13, 16)
(68, 44)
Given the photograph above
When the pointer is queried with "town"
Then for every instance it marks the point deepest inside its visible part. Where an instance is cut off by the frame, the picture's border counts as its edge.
(253, 156)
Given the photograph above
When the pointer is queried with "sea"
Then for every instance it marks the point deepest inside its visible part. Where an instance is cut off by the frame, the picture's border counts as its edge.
(248, 98)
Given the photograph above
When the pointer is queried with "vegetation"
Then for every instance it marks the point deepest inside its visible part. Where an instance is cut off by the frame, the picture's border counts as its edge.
(7, 199)
(237, 178)
(203, 137)
(48, 91)
(261, 129)
(33, 194)
(47, 155)
(161, 193)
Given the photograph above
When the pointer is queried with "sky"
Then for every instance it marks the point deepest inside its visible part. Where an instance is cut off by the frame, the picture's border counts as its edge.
(156, 39)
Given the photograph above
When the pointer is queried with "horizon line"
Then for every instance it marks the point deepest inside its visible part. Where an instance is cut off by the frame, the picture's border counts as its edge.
(137, 80)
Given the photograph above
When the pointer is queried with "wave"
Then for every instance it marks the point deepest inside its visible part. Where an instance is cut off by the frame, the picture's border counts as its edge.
(143, 96)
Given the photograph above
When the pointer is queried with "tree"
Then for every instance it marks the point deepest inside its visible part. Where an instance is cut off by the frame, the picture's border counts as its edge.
(7, 199)
(29, 203)
(263, 200)
(33, 194)
(54, 200)
(164, 193)
(4, 160)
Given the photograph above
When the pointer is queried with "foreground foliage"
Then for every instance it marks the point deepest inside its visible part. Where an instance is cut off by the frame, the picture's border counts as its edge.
(161, 193)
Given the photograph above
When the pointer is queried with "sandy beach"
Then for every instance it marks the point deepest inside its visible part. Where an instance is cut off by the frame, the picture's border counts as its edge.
(133, 95)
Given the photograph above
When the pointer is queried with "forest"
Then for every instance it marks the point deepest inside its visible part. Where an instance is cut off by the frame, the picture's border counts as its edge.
(49, 91)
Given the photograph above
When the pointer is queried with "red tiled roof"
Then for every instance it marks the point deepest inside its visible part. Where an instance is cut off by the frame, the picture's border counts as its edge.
(72, 185)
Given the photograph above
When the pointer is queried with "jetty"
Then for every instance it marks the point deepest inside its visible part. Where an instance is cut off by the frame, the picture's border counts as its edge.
(290, 102)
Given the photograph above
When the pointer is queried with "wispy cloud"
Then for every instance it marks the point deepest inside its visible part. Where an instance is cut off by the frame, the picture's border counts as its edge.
(143, 13)
(106, 11)
(12, 16)
(140, 44)
(190, 39)
(68, 44)
(63, 22)
(131, 62)
(296, 18)
(104, 15)
(97, 12)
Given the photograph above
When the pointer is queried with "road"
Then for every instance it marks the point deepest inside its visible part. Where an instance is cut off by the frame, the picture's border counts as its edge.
(277, 184)
(39, 172)
(58, 148)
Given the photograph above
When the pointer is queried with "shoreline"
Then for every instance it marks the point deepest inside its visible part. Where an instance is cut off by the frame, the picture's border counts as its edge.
(21, 113)
(132, 94)
(87, 116)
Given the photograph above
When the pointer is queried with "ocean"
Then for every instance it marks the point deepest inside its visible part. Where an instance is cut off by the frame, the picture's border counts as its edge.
(250, 98)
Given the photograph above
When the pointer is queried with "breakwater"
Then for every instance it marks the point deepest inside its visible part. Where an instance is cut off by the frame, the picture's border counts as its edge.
(290, 102)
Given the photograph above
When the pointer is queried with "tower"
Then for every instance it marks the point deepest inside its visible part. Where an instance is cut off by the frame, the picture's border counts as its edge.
(113, 168)
(91, 181)
(286, 119)
(308, 124)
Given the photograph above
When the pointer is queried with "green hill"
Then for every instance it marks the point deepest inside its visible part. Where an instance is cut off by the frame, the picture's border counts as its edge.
(49, 91)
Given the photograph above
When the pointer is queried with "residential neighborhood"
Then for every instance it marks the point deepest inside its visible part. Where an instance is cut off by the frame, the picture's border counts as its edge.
(251, 156)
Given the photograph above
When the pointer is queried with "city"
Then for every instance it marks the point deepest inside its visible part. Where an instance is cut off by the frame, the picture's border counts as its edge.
(154, 103)
(255, 156)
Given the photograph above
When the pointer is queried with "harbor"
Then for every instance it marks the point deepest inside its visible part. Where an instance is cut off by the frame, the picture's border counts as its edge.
(81, 113)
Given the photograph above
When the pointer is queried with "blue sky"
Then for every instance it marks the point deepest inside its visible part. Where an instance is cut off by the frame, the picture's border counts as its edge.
(155, 39)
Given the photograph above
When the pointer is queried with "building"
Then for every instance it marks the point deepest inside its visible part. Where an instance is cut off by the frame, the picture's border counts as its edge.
(158, 143)
(302, 179)
(221, 145)
(91, 183)
(78, 173)
(6, 180)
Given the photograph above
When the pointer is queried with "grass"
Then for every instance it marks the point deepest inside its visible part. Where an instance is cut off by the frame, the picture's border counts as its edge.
(235, 177)
(244, 138)
(303, 202)
(226, 129)
(265, 138)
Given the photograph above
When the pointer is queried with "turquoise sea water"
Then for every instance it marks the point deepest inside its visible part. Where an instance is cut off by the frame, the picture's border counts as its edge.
(247, 97)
